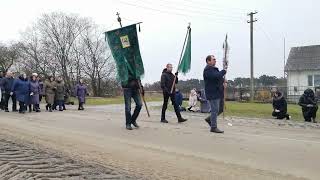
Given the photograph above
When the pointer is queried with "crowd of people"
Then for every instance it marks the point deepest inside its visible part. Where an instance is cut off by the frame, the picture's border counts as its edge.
(28, 92)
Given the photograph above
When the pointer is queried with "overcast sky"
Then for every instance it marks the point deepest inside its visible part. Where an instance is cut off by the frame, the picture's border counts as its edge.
(165, 24)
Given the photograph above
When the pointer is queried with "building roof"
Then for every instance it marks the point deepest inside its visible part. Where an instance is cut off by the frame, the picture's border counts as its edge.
(303, 58)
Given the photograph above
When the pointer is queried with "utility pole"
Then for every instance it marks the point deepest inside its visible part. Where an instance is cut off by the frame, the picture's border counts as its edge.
(251, 21)
(284, 57)
(119, 19)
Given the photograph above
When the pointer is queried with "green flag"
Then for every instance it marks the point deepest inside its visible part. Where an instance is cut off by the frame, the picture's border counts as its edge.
(185, 63)
(124, 46)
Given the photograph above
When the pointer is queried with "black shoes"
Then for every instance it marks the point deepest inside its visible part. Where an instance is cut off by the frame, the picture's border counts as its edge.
(208, 121)
(7, 110)
(179, 120)
(314, 120)
(135, 124)
(164, 121)
(128, 127)
(182, 120)
(216, 130)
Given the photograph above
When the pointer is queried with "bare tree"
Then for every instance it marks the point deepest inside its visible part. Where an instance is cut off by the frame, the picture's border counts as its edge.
(35, 57)
(59, 33)
(70, 46)
(8, 56)
(97, 63)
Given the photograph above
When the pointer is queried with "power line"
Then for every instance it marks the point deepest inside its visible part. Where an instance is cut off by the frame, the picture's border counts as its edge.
(199, 12)
(212, 11)
(213, 4)
(177, 13)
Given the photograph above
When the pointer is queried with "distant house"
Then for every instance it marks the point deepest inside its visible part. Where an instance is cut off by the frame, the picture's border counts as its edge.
(303, 70)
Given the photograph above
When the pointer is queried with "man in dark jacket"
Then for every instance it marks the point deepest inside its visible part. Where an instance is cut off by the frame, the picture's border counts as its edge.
(279, 104)
(131, 90)
(309, 105)
(213, 81)
(7, 86)
(167, 79)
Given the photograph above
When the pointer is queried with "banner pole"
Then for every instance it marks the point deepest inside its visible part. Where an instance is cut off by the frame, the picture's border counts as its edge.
(184, 43)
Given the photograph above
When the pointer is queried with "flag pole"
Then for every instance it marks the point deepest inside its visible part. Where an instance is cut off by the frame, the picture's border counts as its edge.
(224, 78)
(139, 82)
(143, 99)
(184, 43)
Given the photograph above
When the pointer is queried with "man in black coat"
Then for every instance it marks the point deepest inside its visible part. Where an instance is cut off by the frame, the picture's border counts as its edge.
(309, 106)
(213, 82)
(7, 86)
(279, 104)
(167, 79)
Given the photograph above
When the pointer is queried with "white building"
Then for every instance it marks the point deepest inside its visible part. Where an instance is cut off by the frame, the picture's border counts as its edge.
(303, 70)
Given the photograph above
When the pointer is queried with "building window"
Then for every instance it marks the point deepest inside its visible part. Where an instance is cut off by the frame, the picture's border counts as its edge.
(316, 80)
(310, 80)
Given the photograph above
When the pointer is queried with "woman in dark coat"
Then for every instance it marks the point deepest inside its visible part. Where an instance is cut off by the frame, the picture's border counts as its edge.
(279, 104)
(49, 89)
(34, 93)
(81, 92)
(309, 106)
(41, 85)
(60, 90)
(21, 87)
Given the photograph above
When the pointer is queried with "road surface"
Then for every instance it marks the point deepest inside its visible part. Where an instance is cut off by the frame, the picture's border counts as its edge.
(250, 149)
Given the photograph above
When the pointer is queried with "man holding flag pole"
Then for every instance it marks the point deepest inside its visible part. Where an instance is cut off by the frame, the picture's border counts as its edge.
(169, 80)
(213, 82)
(124, 46)
(215, 86)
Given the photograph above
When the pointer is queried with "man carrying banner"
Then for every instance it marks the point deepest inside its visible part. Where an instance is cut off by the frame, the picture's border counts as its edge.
(213, 81)
(131, 90)
(124, 46)
(167, 79)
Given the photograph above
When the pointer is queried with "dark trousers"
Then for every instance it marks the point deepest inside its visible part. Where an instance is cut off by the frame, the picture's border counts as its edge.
(35, 107)
(54, 105)
(60, 104)
(22, 107)
(14, 102)
(310, 112)
(129, 93)
(80, 106)
(280, 115)
(49, 107)
(40, 98)
(166, 97)
(2, 103)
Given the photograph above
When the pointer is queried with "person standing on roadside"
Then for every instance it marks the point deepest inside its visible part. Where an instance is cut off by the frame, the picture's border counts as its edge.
(7, 87)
